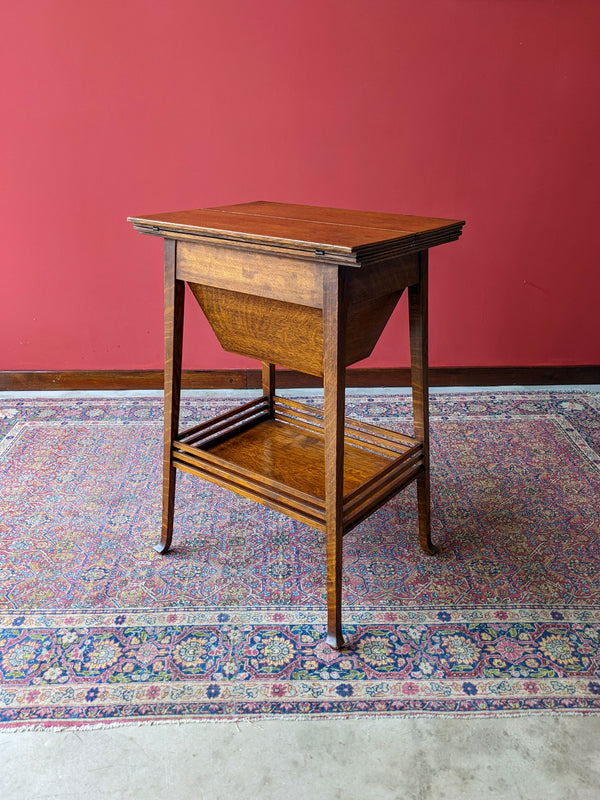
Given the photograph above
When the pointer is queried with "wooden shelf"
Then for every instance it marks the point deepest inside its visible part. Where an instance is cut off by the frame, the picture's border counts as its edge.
(273, 452)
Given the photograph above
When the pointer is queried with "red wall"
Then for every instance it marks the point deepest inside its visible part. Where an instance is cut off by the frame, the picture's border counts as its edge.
(475, 109)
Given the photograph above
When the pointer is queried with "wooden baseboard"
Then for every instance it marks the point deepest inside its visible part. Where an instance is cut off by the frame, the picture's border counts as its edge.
(251, 378)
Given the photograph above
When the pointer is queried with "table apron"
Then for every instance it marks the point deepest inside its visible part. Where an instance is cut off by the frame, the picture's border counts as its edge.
(260, 274)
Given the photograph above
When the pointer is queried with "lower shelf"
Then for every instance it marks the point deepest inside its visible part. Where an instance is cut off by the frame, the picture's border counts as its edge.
(274, 454)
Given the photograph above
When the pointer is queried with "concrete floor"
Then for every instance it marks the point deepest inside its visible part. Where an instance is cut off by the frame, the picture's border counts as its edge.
(511, 758)
(514, 758)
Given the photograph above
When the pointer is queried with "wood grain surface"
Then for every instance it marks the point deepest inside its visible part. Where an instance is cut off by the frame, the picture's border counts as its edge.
(322, 231)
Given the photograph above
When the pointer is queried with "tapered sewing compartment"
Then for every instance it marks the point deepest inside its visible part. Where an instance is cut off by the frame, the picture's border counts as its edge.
(289, 334)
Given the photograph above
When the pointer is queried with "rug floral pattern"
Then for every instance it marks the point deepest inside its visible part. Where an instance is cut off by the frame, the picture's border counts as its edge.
(97, 627)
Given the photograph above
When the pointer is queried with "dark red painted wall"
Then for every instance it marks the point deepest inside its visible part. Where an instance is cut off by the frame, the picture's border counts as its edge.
(475, 109)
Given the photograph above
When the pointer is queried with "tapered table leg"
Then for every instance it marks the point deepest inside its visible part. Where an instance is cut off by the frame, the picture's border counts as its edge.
(268, 383)
(417, 309)
(334, 391)
(174, 303)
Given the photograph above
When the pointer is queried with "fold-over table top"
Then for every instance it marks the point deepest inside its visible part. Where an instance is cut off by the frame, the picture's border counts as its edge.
(350, 235)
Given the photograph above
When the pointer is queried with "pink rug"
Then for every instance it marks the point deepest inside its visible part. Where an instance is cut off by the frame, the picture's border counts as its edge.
(95, 627)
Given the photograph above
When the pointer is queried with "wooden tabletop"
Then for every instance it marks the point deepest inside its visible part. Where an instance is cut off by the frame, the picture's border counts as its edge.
(328, 231)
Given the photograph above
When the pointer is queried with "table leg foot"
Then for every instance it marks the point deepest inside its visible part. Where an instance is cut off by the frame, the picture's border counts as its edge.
(424, 505)
(335, 640)
(168, 512)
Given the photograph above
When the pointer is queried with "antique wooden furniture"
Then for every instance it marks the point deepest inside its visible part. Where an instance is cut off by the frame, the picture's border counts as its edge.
(310, 289)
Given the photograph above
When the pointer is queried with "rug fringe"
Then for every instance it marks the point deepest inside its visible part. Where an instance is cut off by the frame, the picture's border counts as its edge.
(79, 726)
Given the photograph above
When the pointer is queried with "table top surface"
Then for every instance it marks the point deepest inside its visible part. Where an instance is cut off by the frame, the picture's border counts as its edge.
(332, 230)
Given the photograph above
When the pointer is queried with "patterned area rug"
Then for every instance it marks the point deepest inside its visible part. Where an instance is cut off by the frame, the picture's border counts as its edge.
(95, 627)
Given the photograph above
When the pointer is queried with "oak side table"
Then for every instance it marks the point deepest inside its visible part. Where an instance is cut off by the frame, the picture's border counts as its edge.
(310, 289)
